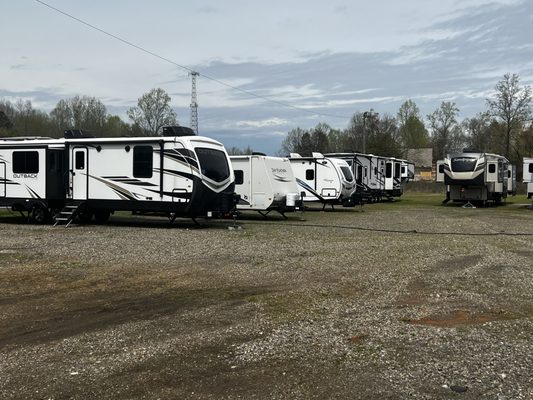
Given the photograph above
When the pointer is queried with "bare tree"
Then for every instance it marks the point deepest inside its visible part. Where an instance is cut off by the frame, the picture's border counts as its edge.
(153, 112)
(446, 133)
(80, 113)
(512, 104)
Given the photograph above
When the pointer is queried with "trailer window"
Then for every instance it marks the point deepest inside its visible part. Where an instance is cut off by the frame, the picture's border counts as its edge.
(79, 162)
(213, 163)
(25, 162)
(396, 170)
(347, 174)
(441, 168)
(359, 174)
(508, 173)
(492, 168)
(463, 164)
(309, 174)
(388, 170)
(143, 157)
(530, 168)
(239, 176)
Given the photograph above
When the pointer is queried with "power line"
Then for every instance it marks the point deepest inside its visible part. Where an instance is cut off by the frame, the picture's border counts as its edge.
(144, 50)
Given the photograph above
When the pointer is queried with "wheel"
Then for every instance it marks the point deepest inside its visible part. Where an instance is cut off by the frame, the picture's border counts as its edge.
(84, 216)
(39, 214)
(101, 216)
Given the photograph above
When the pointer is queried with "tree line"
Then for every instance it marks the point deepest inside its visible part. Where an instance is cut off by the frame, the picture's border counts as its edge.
(503, 128)
(153, 111)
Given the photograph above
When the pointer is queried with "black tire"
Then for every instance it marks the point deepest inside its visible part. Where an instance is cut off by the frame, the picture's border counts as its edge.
(39, 214)
(84, 216)
(101, 216)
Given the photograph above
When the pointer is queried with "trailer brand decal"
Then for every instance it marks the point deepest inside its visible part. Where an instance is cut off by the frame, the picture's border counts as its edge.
(279, 170)
(29, 176)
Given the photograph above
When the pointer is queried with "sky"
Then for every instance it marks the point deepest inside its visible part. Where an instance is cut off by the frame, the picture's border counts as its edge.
(323, 60)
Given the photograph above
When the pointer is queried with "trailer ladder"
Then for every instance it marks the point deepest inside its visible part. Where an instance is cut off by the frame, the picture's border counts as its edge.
(68, 213)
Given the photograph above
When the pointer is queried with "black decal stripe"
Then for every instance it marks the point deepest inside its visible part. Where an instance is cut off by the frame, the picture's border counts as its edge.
(124, 192)
(174, 172)
(181, 195)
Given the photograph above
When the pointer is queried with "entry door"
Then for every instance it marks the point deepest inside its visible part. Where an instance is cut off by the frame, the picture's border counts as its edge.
(2, 179)
(79, 173)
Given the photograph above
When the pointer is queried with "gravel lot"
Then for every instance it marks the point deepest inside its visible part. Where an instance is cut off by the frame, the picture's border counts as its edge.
(336, 306)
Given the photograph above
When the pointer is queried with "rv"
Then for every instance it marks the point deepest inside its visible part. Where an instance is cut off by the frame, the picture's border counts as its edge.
(265, 184)
(368, 174)
(179, 174)
(323, 179)
(527, 175)
(472, 176)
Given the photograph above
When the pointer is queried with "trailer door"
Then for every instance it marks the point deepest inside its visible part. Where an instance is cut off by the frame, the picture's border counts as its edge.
(79, 175)
(2, 179)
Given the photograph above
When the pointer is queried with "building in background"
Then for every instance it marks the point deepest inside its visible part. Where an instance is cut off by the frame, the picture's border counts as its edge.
(423, 159)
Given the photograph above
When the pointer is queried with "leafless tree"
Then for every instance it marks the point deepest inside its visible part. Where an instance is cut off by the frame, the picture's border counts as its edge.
(512, 105)
(153, 112)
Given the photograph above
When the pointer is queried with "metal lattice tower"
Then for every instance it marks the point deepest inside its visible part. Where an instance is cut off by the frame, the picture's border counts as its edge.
(194, 103)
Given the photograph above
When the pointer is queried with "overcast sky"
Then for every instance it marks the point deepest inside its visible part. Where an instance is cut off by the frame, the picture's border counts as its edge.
(327, 57)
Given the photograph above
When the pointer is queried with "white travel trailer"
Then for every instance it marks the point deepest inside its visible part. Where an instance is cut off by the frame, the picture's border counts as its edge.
(471, 176)
(323, 179)
(179, 174)
(527, 176)
(265, 184)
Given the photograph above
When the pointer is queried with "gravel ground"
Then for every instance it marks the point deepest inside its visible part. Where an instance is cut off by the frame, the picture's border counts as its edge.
(336, 306)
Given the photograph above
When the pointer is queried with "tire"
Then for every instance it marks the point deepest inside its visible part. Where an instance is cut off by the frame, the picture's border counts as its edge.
(39, 214)
(101, 216)
(84, 216)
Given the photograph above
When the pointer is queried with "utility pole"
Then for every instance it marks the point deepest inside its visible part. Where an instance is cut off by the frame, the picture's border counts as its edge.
(194, 103)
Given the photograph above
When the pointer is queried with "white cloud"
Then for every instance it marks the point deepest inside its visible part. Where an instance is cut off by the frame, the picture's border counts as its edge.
(262, 123)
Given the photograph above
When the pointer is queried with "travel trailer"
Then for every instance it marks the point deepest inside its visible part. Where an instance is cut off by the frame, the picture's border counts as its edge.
(323, 179)
(472, 176)
(368, 174)
(265, 184)
(179, 173)
(527, 175)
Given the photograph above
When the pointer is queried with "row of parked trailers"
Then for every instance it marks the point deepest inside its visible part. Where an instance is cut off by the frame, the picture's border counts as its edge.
(181, 175)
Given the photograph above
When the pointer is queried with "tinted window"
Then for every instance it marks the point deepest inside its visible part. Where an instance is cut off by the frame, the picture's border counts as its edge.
(388, 170)
(492, 168)
(463, 164)
(79, 159)
(25, 162)
(309, 174)
(396, 170)
(508, 174)
(347, 173)
(143, 161)
(239, 177)
(530, 168)
(213, 163)
(359, 174)
(403, 170)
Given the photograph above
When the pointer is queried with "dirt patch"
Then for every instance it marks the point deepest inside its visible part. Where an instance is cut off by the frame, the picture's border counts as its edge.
(358, 339)
(417, 294)
(456, 264)
(459, 318)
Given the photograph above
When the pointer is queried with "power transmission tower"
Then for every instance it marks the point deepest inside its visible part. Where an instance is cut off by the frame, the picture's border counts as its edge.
(194, 103)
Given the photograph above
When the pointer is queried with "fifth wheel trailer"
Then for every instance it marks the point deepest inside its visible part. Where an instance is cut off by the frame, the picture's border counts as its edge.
(184, 176)
(472, 176)
(265, 184)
